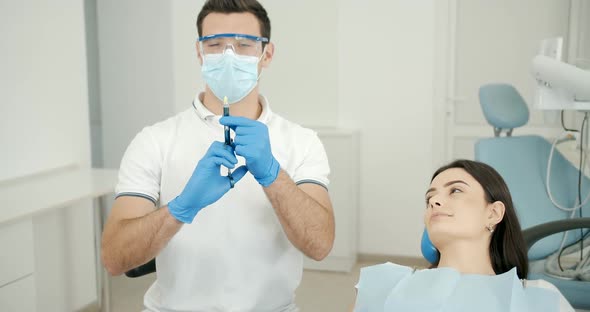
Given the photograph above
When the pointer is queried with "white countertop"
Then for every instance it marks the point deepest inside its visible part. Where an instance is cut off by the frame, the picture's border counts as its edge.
(34, 195)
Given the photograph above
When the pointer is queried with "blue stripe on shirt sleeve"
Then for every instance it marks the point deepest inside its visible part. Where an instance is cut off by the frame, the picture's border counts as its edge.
(153, 200)
(312, 182)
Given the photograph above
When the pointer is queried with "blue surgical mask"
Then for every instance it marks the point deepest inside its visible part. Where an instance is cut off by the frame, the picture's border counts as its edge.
(231, 75)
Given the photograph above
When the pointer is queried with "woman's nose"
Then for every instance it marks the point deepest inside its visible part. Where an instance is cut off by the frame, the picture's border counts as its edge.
(435, 204)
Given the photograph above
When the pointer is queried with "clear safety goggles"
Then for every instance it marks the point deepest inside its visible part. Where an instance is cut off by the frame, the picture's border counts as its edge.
(246, 45)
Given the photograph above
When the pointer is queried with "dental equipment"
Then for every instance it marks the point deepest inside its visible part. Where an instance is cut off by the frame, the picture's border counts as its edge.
(228, 140)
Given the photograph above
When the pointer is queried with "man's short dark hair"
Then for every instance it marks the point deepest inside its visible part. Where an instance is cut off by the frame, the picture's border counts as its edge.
(235, 6)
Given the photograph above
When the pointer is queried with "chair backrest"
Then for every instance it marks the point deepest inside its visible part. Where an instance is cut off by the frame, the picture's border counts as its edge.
(429, 252)
(522, 162)
(503, 107)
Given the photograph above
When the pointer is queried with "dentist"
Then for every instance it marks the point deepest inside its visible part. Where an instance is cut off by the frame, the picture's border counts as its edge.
(223, 244)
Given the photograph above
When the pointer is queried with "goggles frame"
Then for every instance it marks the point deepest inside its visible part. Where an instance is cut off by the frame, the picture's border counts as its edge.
(256, 39)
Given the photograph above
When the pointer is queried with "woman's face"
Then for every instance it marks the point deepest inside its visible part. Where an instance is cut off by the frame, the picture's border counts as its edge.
(456, 208)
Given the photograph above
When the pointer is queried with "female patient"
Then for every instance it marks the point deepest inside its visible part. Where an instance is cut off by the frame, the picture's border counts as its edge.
(483, 263)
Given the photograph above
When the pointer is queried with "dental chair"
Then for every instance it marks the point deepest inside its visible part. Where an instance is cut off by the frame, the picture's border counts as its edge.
(522, 162)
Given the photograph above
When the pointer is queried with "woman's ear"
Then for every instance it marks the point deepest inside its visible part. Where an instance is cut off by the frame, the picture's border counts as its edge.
(496, 213)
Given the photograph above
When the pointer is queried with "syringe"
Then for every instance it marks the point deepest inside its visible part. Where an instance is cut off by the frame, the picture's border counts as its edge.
(228, 140)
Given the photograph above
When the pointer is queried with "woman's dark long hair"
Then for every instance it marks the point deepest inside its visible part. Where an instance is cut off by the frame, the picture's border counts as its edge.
(507, 247)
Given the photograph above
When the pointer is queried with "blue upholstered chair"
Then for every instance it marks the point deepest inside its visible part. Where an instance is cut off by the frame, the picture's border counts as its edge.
(522, 162)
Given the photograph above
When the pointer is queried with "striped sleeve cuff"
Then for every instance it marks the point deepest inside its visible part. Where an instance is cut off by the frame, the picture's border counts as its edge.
(153, 200)
(312, 182)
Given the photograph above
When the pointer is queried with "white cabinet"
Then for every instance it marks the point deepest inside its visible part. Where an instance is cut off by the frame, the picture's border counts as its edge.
(16, 245)
(47, 247)
(342, 147)
(17, 291)
(19, 295)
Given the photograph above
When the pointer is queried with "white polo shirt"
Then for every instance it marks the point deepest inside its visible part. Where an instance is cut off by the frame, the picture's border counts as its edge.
(235, 255)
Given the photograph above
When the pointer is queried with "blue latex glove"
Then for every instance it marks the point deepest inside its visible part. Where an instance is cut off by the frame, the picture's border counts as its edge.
(206, 185)
(252, 143)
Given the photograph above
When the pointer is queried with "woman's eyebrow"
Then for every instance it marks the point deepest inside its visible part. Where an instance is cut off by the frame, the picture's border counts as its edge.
(446, 184)
(455, 181)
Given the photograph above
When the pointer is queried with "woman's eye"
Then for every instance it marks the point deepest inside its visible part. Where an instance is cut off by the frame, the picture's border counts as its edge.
(455, 190)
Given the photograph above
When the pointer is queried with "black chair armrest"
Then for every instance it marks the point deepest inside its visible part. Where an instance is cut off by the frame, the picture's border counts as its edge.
(537, 232)
(147, 268)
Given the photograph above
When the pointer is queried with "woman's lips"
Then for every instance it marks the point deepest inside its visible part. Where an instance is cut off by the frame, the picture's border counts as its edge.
(440, 215)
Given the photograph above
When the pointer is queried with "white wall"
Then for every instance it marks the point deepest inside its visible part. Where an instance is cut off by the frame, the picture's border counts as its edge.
(496, 41)
(136, 81)
(302, 82)
(43, 97)
(95, 115)
(186, 69)
(386, 90)
(44, 112)
(580, 28)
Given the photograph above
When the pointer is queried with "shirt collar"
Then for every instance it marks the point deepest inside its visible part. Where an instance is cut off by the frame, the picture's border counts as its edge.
(207, 115)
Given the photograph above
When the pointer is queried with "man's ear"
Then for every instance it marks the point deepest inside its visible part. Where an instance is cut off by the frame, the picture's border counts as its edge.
(496, 213)
(267, 55)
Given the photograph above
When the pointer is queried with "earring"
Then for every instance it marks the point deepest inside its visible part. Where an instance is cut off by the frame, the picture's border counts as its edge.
(490, 228)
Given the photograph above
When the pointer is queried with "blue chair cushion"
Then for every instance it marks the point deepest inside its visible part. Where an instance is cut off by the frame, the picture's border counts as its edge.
(522, 162)
(576, 292)
(503, 107)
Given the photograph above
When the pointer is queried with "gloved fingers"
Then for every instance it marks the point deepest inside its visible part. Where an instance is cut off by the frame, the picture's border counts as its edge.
(246, 151)
(245, 140)
(219, 149)
(252, 153)
(229, 148)
(216, 161)
(239, 173)
(255, 130)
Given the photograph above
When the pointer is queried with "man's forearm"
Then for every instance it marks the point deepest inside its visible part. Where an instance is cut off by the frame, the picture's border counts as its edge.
(308, 224)
(132, 242)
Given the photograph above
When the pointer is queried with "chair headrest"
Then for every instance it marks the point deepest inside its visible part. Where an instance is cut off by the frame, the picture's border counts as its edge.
(503, 107)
